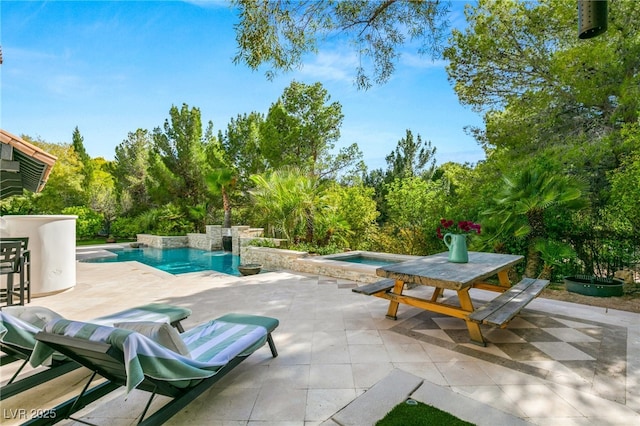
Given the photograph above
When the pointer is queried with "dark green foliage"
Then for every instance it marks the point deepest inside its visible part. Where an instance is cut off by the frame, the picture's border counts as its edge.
(557, 110)
(178, 162)
(88, 224)
(126, 227)
(301, 129)
(130, 170)
(521, 204)
(85, 159)
(411, 158)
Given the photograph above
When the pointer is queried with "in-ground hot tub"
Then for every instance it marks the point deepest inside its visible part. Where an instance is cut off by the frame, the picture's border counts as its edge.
(353, 265)
(370, 258)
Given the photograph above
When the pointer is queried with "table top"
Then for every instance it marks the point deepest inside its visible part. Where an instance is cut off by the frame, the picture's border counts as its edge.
(437, 271)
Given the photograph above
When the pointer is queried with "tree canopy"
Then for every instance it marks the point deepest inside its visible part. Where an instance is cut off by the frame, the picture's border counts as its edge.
(561, 132)
(538, 84)
(280, 33)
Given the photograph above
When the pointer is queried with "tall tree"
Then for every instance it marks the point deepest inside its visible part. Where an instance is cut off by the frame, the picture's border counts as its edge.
(547, 95)
(178, 164)
(538, 84)
(64, 187)
(412, 157)
(130, 170)
(280, 33)
(221, 181)
(85, 159)
(301, 129)
(241, 147)
(102, 193)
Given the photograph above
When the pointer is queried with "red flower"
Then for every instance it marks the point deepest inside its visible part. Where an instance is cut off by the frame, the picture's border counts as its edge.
(463, 226)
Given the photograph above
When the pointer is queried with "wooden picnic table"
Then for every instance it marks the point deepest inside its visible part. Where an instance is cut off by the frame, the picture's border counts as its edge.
(436, 271)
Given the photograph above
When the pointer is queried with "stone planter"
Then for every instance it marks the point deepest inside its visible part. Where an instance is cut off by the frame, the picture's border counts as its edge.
(249, 268)
(594, 286)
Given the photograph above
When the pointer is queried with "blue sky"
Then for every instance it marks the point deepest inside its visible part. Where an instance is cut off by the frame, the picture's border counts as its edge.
(113, 67)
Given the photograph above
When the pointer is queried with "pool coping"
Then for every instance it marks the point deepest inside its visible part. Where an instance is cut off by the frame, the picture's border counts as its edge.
(370, 254)
(332, 266)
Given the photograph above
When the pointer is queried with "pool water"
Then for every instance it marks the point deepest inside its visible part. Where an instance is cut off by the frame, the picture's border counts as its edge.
(367, 260)
(177, 260)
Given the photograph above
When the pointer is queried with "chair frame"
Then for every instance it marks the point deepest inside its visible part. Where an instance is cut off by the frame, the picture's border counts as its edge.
(108, 362)
(22, 266)
(59, 367)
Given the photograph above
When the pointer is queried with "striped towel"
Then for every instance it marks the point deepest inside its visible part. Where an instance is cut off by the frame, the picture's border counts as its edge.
(211, 345)
(16, 332)
(22, 323)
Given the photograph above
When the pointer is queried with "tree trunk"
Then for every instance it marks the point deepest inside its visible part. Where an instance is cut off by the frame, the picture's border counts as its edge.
(310, 225)
(533, 261)
(546, 273)
(226, 205)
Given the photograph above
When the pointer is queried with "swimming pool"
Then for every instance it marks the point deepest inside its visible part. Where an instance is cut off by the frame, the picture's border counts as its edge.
(176, 261)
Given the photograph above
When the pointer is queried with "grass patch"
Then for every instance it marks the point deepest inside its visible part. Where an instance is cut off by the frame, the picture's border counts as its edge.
(97, 241)
(416, 413)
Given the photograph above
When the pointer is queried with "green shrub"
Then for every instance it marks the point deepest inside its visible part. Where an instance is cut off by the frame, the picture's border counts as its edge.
(126, 227)
(166, 220)
(263, 242)
(88, 224)
(313, 248)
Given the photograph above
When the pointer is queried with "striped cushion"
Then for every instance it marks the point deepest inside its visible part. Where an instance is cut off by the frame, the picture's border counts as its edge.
(155, 312)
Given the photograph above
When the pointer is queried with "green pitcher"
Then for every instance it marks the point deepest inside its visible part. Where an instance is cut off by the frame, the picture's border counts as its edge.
(457, 245)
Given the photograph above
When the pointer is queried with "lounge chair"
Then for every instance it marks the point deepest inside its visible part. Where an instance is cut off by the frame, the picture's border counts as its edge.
(19, 325)
(129, 358)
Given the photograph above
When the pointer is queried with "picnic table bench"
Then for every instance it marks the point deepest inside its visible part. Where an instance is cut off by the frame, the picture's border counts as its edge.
(376, 287)
(499, 311)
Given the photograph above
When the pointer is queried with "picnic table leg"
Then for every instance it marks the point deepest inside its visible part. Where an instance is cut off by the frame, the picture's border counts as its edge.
(503, 278)
(437, 292)
(474, 328)
(393, 305)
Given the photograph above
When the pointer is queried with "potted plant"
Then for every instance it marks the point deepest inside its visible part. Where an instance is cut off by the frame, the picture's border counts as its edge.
(249, 268)
(590, 285)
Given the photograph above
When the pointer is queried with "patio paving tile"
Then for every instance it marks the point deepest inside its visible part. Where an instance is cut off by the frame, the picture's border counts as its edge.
(557, 363)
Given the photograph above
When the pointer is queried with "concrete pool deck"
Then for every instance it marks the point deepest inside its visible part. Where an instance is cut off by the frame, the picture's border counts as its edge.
(561, 364)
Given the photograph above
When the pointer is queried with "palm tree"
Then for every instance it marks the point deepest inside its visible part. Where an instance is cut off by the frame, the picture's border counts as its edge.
(220, 181)
(553, 253)
(285, 197)
(521, 204)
